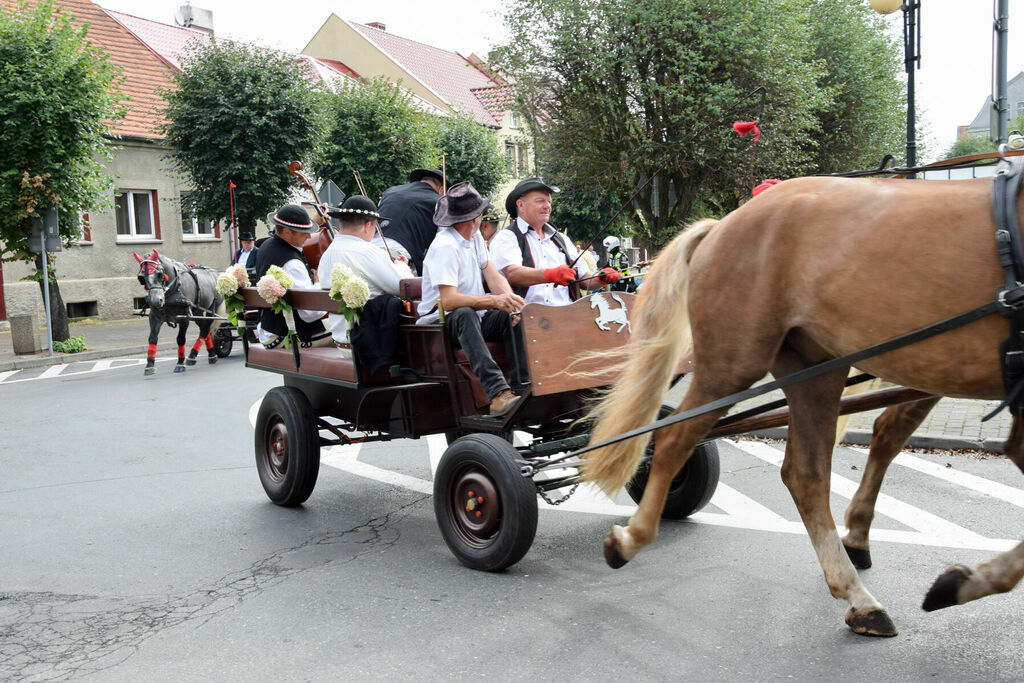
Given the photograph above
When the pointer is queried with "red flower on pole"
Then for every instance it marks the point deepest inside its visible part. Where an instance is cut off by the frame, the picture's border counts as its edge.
(745, 127)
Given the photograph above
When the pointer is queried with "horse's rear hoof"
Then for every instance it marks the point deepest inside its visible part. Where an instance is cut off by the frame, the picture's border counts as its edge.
(613, 552)
(861, 557)
(873, 623)
(179, 368)
(190, 362)
(213, 359)
(946, 589)
(149, 371)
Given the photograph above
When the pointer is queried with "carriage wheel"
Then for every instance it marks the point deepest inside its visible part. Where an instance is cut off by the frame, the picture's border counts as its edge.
(692, 488)
(486, 509)
(287, 446)
(223, 341)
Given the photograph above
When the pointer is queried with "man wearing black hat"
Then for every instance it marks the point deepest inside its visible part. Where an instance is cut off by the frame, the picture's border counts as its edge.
(489, 223)
(409, 213)
(534, 256)
(454, 271)
(291, 226)
(246, 255)
(352, 247)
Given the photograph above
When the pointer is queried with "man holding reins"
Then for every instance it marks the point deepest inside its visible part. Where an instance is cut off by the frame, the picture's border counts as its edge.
(535, 257)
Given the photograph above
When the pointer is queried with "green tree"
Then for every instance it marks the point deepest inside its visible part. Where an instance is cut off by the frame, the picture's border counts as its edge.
(627, 90)
(58, 97)
(375, 128)
(240, 113)
(472, 152)
(976, 144)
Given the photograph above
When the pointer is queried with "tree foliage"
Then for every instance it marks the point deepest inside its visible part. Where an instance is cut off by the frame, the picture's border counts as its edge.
(629, 89)
(471, 152)
(375, 128)
(58, 97)
(240, 113)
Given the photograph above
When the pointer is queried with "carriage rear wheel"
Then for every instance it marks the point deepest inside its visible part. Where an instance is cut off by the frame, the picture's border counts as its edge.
(692, 488)
(486, 509)
(287, 446)
(223, 340)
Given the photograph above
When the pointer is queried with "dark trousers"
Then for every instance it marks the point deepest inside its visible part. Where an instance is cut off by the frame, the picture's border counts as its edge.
(471, 334)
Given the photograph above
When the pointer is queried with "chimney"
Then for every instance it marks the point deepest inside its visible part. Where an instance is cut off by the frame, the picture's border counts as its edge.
(194, 17)
(378, 25)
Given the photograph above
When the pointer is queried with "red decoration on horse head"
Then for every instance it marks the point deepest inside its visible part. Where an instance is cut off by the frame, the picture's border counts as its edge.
(744, 127)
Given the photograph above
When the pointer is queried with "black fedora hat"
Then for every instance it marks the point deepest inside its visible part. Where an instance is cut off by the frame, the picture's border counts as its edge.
(293, 217)
(460, 203)
(522, 187)
(491, 214)
(246, 237)
(356, 205)
(421, 173)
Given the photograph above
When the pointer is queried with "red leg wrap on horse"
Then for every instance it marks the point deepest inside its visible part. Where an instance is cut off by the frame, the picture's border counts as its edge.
(181, 352)
(151, 351)
(209, 341)
(197, 345)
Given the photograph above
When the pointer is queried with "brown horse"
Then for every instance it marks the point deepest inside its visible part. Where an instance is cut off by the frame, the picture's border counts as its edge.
(811, 270)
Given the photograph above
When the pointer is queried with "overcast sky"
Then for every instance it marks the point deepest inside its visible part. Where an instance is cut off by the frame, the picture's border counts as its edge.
(952, 85)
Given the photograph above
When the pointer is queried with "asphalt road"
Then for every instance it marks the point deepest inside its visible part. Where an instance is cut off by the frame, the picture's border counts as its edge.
(138, 545)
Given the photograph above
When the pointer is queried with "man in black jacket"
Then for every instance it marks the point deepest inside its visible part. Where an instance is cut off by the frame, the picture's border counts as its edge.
(408, 213)
(292, 226)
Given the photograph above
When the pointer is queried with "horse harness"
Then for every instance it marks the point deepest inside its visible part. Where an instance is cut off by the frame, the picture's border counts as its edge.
(172, 292)
(1009, 302)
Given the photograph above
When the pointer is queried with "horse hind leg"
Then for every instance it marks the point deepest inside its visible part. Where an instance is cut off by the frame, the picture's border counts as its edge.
(154, 333)
(182, 327)
(673, 446)
(807, 472)
(961, 584)
(891, 431)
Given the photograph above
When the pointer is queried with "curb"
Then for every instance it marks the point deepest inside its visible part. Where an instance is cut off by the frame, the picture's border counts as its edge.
(935, 441)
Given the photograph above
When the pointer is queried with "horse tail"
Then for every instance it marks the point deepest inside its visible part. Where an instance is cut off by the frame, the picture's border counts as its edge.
(646, 365)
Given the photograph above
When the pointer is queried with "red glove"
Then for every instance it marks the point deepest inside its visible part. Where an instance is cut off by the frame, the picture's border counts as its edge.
(561, 275)
(609, 276)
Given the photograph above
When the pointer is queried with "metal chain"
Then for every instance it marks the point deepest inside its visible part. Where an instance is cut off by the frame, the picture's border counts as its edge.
(562, 499)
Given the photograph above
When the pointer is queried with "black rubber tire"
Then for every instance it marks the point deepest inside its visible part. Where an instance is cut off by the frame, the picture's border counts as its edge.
(287, 446)
(692, 488)
(223, 341)
(484, 465)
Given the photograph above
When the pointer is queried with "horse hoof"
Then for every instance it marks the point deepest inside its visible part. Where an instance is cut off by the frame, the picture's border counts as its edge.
(213, 359)
(179, 368)
(861, 557)
(613, 551)
(190, 361)
(149, 371)
(873, 623)
(946, 588)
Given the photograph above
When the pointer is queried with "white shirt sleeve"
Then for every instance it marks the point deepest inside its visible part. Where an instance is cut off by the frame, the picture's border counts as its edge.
(505, 249)
(300, 280)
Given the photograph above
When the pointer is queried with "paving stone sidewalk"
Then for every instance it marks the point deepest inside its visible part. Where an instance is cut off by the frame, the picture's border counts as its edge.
(953, 424)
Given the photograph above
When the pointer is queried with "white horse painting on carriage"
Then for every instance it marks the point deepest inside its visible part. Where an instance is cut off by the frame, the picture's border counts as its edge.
(609, 315)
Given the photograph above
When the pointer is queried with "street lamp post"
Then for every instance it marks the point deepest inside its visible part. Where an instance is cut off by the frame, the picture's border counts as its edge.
(911, 59)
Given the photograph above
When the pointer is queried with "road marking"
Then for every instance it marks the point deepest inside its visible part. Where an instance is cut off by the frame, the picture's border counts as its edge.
(738, 510)
(64, 371)
(995, 489)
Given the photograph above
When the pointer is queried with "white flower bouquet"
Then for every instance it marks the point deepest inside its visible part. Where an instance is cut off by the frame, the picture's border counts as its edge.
(228, 284)
(351, 290)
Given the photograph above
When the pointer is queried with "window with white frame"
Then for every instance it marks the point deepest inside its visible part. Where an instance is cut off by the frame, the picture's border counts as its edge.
(510, 158)
(135, 214)
(84, 230)
(192, 226)
(513, 120)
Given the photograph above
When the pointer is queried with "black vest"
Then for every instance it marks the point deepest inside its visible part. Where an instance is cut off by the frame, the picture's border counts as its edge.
(276, 252)
(557, 237)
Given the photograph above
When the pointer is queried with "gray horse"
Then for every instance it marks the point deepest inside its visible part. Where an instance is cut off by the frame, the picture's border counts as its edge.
(176, 292)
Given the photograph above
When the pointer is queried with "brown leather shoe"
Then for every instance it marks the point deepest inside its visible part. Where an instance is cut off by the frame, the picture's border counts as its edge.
(502, 403)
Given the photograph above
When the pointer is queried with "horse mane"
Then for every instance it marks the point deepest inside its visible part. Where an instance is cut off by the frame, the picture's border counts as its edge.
(650, 359)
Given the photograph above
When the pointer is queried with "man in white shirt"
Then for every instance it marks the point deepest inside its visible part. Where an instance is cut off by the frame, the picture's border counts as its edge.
(454, 270)
(292, 227)
(535, 257)
(353, 247)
